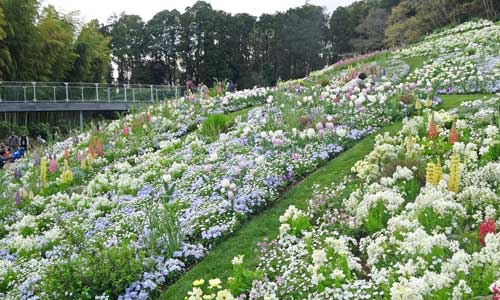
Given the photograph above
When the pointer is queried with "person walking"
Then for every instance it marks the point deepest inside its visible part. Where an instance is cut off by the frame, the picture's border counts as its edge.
(13, 141)
(204, 91)
(25, 142)
(219, 88)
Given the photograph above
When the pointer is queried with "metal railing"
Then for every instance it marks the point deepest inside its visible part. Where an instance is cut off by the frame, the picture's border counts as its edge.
(58, 92)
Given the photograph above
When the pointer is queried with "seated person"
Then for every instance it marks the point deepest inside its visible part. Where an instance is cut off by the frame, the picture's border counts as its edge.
(360, 81)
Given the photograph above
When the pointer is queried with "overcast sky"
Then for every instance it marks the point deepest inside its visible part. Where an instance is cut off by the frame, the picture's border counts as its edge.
(103, 9)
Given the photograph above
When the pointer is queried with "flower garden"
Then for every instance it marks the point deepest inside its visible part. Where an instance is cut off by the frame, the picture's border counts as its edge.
(125, 210)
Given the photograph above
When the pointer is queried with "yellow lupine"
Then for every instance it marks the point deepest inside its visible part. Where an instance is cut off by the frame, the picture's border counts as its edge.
(434, 173)
(410, 143)
(43, 171)
(454, 180)
(428, 102)
(438, 173)
(67, 174)
(418, 105)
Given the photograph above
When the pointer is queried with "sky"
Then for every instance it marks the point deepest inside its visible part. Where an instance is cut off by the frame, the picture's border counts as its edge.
(103, 9)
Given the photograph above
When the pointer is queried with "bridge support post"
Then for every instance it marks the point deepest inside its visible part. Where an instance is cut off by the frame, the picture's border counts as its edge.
(81, 121)
(34, 91)
(97, 92)
(67, 92)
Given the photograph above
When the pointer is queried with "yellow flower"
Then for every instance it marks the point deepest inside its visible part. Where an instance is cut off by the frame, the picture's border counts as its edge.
(418, 105)
(454, 180)
(67, 174)
(43, 171)
(428, 102)
(410, 143)
(224, 295)
(198, 282)
(434, 173)
(215, 283)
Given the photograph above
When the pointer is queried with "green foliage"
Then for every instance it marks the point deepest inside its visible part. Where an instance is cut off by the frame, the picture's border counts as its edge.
(241, 279)
(324, 82)
(7, 278)
(214, 125)
(97, 270)
(377, 218)
(492, 155)
(164, 231)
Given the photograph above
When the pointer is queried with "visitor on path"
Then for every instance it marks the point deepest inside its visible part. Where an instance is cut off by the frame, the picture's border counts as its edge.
(13, 141)
(25, 142)
(230, 87)
(17, 155)
(2, 152)
(190, 85)
(360, 81)
(219, 88)
(57, 137)
(204, 91)
(40, 140)
(6, 153)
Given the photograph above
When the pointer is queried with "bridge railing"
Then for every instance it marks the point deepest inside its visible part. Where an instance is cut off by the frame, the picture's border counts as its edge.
(86, 92)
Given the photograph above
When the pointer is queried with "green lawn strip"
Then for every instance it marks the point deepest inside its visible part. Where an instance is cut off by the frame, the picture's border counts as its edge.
(454, 100)
(217, 264)
(414, 62)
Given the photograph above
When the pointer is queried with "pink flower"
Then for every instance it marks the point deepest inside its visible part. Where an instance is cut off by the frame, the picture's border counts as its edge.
(52, 166)
(487, 227)
(296, 156)
(495, 289)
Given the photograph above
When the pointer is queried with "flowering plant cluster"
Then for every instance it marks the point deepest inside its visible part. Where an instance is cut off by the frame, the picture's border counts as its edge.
(465, 59)
(418, 222)
(151, 194)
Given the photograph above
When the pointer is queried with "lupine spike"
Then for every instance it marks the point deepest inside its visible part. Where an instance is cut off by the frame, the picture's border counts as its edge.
(433, 133)
(453, 134)
(43, 171)
(454, 180)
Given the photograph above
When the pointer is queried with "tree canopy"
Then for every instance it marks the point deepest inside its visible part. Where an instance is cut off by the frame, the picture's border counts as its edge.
(206, 45)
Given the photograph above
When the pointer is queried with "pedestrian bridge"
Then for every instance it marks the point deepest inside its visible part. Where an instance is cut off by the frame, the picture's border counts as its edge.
(65, 96)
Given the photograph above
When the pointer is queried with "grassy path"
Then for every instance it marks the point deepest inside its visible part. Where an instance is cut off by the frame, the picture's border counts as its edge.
(217, 264)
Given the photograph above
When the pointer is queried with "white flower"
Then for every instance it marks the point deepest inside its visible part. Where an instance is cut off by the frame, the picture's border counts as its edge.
(319, 257)
(237, 260)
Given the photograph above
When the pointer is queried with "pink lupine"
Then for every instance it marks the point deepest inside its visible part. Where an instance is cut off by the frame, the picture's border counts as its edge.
(125, 130)
(52, 165)
(487, 227)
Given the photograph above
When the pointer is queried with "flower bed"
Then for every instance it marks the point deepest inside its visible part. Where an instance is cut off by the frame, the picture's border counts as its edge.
(61, 244)
(418, 222)
(465, 59)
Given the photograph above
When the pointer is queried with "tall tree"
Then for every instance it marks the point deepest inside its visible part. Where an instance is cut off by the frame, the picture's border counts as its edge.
(342, 30)
(93, 53)
(161, 41)
(5, 57)
(20, 40)
(55, 55)
(127, 36)
(371, 31)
